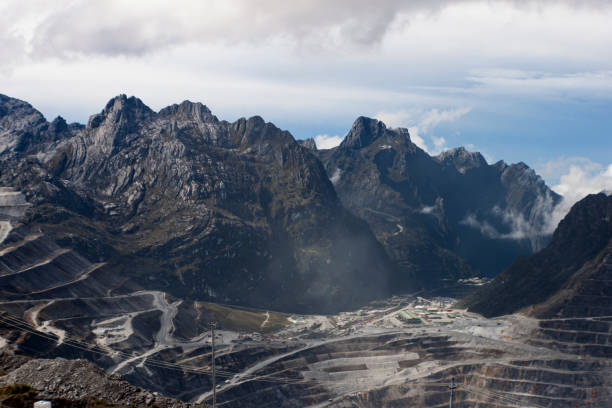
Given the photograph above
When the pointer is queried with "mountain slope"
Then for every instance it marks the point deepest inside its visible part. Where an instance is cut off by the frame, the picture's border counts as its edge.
(440, 218)
(181, 201)
(570, 277)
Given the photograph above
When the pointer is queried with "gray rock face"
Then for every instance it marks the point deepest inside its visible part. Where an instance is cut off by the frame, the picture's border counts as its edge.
(461, 159)
(181, 201)
(19, 122)
(309, 144)
(79, 381)
(443, 217)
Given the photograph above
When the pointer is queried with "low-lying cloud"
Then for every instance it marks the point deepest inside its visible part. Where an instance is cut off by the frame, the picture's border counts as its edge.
(578, 177)
(533, 227)
(336, 176)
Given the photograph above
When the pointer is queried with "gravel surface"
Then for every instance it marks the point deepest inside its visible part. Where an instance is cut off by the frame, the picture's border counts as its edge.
(77, 380)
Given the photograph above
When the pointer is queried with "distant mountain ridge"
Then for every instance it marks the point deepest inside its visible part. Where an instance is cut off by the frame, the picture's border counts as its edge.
(443, 217)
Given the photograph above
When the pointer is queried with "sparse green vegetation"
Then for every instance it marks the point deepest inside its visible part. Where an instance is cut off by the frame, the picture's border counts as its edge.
(19, 391)
(232, 318)
(101, 403)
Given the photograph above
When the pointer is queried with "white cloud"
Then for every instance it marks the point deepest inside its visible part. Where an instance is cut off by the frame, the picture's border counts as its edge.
(592, 83)
(484, 227)
(439, 144)
(434, 117)
(553, 170)
(100, 28)
(327, 141)
(588, 179)
(535, 227)
(67, 27)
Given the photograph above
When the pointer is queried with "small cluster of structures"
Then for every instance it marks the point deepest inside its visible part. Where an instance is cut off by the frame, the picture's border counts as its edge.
(395, 313)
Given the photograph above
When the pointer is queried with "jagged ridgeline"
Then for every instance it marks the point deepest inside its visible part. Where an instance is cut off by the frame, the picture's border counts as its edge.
(201, 208)
(440, 218)
(241, 213)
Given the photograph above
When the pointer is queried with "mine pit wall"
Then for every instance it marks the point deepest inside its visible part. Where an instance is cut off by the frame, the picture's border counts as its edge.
(578, 320)
(13, 207)
(13, 204)
(176, 383)
(584, 337)
(518, 383)
(570, 382)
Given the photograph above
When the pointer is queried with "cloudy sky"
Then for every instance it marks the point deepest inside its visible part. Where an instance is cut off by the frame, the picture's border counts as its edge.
(517, 80)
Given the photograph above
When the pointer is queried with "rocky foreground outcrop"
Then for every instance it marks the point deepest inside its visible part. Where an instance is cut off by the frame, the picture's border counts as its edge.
(77, 383)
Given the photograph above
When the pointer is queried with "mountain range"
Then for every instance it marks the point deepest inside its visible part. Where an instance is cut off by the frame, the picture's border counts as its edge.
(242, 213)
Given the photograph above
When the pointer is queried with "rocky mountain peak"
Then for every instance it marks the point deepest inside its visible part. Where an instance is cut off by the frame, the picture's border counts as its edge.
(363, 132)
(123, 103)
(256, 132)
(20, 124)
(59, 124)
(500, 165)
(255, 123)
(591, 217)
(119, 122)
(188, 110)
(309, 143)
(20, 113)
(122, 111)
(402, 132)
(461, 159)
(522, 174)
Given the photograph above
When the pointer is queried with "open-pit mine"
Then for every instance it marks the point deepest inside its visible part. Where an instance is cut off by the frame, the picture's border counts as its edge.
(403, 351)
